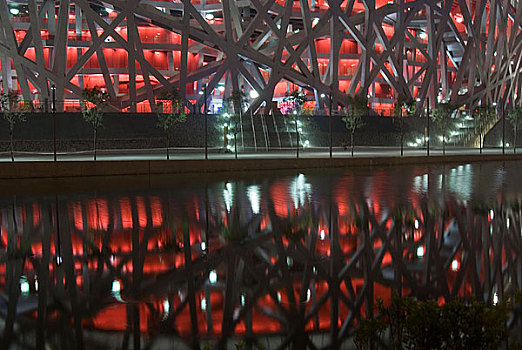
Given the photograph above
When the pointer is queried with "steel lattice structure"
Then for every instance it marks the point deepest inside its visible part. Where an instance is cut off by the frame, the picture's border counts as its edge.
(463, 51)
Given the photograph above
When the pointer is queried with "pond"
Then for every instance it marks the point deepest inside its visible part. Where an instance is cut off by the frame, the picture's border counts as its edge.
(274, 260)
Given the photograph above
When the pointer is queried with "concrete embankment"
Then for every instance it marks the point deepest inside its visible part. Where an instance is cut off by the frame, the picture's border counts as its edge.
(63, 169)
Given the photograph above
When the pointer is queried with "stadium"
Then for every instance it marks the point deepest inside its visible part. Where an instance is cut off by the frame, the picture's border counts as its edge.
(463, 52)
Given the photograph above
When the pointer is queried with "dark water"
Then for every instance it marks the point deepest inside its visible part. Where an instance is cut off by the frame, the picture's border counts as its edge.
(273, 259)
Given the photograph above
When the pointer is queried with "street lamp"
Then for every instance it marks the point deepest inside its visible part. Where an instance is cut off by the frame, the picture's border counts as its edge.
(296, 134)
(205, 121)
(53, 89)
(428, 117)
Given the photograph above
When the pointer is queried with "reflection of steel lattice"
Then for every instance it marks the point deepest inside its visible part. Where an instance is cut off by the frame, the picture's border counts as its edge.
(298, 280)
(467, 51)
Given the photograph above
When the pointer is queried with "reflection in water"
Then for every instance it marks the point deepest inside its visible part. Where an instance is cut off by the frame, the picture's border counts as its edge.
(282, 262)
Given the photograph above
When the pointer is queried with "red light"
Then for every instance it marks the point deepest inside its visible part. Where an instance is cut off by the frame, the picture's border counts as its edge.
(459, 18)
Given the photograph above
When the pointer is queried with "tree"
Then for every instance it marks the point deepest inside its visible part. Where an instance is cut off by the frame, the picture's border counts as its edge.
(515, 118)
(93, 103)
(485, 113)
(232, 110)
(408, 105)
(358, 105)
(292, 109)
(442, 117)
(12, 114)
(175, 116)
(352, 123)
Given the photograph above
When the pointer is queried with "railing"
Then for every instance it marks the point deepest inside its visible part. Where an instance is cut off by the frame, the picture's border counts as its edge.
(66, 136)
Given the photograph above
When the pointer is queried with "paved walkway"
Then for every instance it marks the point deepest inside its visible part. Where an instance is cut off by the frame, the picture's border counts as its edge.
(198, 154)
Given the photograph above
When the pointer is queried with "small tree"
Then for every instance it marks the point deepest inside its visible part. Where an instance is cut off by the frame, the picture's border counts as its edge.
(175, 116)
(293, 109)
(485, 113)
(442, 117)
(408, 105)
(515, 118)
(233, 109)
(93, 104)
(358, 105)
(352, 123)
(12, 114)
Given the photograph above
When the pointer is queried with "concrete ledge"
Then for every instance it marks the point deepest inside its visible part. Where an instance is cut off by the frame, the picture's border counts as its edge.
(32, 170)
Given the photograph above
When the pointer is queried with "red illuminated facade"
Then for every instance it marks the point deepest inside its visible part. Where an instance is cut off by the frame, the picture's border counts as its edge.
(464, 52)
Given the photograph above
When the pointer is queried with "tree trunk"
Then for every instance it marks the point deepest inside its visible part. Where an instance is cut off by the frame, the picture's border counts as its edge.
(94, 142)
(168, 156)
(11, 145)
(481, 142)
(351, 142)
(515, 141)
(402, 135)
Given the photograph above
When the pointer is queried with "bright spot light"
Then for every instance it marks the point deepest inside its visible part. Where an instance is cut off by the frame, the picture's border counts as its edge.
(323, 95)
(228, 186)
(420, 251)
(243, 300)
(24, 285)
(203, 304)
(225, 125)
(423, 35)
(492, 214)
(254, 196)
(454, 265)
(14, 11)
(116, 286)
(322, 235)
(221, 88)
(166, 307)
(203, 246)
(254, 94)
(209, 16)
(308, 295)
(108, 10)
(212, 276)
(416, 224)
(200, 93)
(495, 298)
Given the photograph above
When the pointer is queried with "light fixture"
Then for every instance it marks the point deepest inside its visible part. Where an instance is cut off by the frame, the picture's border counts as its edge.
(212, 276)
(423, 35)
(459, 18)
(108, 10)
(14, 11)
(209, 16)
(254, 94)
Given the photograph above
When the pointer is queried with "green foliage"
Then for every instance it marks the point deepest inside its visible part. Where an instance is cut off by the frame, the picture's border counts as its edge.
(177, 115)
(93, 103)
(10, 110)
(409, 106)
(442, 117)
(297, 99)
(515, 118)
(414, 324)
(353, 122)
(357, 105)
